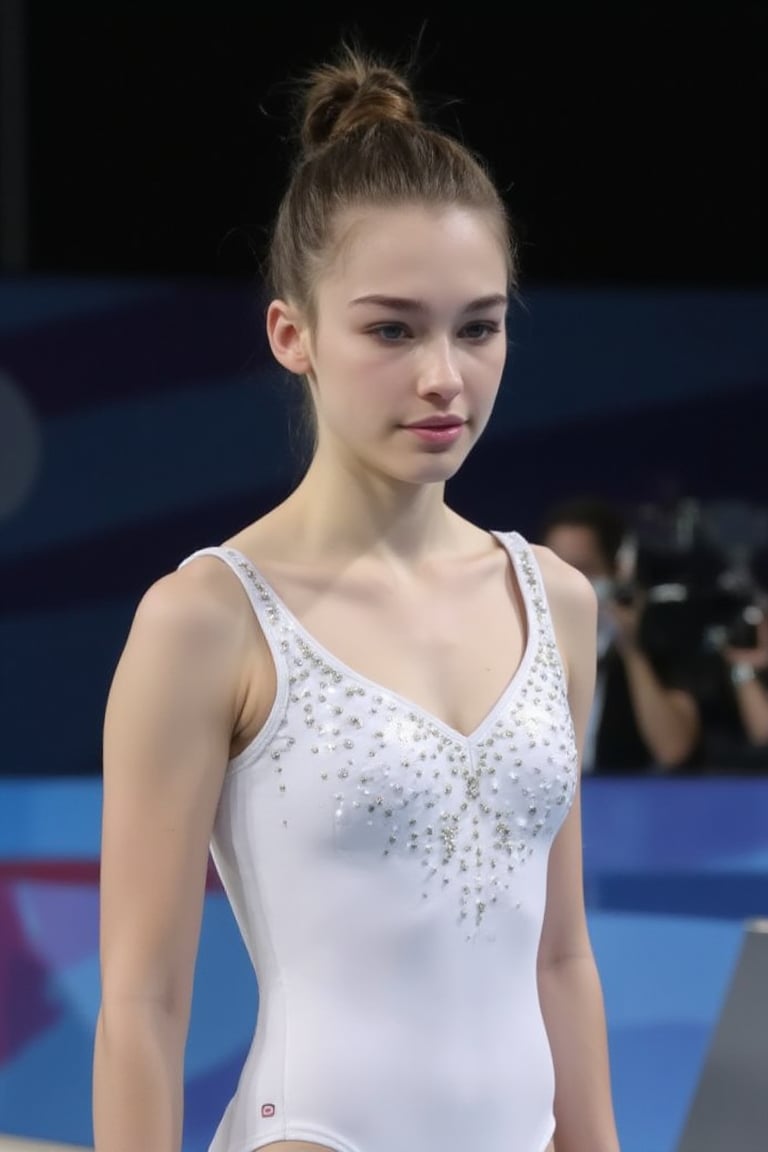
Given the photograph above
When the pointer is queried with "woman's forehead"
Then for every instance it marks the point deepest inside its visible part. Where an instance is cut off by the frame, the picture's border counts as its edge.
(406, 249)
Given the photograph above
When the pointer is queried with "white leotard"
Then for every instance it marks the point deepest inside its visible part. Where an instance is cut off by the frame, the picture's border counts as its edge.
(388, 876)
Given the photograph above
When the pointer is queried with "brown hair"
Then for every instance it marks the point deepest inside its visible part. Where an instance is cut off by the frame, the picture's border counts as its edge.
(363, 142)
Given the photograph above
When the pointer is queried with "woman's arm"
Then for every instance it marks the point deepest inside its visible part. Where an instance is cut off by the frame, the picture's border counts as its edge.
(569, 985)
(172, 708)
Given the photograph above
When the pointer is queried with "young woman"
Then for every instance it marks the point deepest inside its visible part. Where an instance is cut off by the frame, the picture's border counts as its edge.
(372, 711)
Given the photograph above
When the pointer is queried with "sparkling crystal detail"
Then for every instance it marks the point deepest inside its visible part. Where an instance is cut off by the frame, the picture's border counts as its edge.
(470, 812)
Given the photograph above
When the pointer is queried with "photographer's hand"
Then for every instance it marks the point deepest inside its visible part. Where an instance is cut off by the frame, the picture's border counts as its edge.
(626, 622)
(750, 692)
(667, 718)
(755, 658)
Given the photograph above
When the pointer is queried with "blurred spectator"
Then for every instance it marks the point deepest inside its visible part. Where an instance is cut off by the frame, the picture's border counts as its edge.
(645, 713)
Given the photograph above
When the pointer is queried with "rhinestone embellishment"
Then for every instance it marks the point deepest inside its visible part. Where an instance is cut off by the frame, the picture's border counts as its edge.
(467, 812)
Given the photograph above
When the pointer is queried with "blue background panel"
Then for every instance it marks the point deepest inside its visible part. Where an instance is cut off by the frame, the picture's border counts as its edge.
(665, 971)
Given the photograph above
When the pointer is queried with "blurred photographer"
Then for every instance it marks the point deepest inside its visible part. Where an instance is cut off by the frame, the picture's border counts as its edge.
(645, 714)
(748, 671)
(736, 729)
(734, 630)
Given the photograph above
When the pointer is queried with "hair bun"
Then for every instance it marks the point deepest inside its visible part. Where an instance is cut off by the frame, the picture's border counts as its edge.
(354, 93)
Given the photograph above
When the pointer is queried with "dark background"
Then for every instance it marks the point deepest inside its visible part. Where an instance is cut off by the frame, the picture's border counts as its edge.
(141, 415)
(630, 142)
(628, 139)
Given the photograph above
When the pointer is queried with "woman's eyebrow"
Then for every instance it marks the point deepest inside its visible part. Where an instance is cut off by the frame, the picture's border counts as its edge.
(405, 304)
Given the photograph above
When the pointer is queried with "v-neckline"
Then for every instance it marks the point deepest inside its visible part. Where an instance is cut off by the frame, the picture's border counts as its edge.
(374, 686)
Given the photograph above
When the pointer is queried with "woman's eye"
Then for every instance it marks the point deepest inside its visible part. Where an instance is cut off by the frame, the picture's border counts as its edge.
(390, 333)
(480, 329)
(476, 332)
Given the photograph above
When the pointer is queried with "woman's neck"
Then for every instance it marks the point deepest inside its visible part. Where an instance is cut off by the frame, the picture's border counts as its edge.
(335, 512)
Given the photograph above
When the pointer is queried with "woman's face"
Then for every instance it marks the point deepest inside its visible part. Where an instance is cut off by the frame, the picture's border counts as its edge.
(409, 341)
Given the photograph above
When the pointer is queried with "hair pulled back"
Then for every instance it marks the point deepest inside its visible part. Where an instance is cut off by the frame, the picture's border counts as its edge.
(363, 143)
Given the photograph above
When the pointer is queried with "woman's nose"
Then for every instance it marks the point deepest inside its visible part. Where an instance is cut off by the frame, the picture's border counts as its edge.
(440, 375)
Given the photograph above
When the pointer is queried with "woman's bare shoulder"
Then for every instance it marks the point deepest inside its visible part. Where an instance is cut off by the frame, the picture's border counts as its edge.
(199, 610)
(566, 587)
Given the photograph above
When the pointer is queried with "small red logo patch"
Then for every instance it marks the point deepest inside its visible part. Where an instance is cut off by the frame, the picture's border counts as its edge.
(267, 1110)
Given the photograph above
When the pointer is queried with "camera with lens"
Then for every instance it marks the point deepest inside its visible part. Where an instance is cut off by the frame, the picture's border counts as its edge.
(693, 605)
(737, 625)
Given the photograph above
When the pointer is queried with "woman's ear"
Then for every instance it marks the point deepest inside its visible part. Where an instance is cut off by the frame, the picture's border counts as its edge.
(288, 336)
